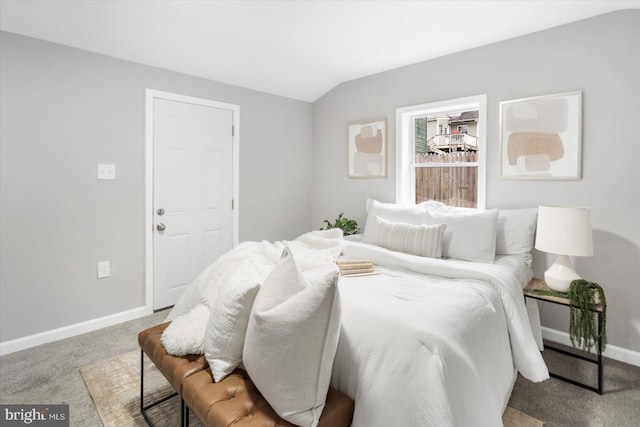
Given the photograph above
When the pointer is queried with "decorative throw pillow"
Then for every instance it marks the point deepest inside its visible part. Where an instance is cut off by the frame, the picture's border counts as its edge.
(228, 320)
(191, 296)
(516, 231)
(469, 236)
(390, 212)
(422, 240)
(433, 205)
(185, 334)
(291, 341)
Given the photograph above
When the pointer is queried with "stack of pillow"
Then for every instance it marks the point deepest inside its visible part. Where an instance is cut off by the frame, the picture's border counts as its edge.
(433, 229)
(278, 317)
(285, 332)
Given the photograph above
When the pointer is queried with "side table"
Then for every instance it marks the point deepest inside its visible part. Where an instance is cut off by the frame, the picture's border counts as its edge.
(538, 284)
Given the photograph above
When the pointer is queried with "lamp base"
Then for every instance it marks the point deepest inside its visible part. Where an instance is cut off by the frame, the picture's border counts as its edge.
(560, 275)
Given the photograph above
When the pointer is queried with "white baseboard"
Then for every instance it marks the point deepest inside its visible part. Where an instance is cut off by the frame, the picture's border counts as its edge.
(613, 352)
(12, 346)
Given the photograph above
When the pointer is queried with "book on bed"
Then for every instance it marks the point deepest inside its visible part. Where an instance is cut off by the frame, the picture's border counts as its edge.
(355, 267)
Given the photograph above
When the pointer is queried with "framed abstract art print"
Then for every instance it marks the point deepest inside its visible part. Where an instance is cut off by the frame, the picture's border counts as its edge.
(541, 137)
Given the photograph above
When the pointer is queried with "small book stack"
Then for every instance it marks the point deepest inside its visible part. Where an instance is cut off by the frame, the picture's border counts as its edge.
(361, 267)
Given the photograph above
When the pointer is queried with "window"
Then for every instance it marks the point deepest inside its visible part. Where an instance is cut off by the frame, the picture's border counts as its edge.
(434, 164)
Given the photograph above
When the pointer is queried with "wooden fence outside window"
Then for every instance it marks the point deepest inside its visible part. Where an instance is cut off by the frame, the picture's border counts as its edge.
(446, 178)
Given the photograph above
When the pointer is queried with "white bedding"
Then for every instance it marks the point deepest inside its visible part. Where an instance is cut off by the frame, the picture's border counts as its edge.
(427, 342)
(430, 342)
(315, 253)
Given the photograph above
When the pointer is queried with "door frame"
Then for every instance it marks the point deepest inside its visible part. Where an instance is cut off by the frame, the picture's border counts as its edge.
(150, 95)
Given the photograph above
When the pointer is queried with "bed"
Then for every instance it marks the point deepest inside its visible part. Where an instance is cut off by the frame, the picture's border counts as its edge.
(427, 342)
(437, 336)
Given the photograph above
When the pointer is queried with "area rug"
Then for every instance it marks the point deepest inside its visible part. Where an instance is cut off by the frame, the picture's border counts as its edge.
(114, 386)
(514, 418)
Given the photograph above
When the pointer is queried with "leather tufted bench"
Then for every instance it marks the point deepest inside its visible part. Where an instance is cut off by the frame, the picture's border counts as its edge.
(174, 368)
(235, 401)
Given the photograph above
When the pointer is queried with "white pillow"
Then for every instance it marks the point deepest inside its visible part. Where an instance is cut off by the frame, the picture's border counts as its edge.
(191, 295)
(422, 240)
(433, 205)
(292, 340)
(516, 231)
(185, 334)
(390, 212)
(469, 236)
(227, 325)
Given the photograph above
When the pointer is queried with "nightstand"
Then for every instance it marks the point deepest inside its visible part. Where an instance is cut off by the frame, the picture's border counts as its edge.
(539, 284)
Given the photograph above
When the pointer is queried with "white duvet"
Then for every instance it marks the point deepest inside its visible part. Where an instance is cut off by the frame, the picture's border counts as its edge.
(430, 342)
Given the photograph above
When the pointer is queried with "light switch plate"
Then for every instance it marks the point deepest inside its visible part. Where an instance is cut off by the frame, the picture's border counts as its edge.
(104, 270)
(106, 171)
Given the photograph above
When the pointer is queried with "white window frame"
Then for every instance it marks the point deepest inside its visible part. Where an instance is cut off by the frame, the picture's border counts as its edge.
(405, 150)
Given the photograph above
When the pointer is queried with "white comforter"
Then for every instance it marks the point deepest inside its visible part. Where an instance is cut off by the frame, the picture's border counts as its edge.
(431, 351)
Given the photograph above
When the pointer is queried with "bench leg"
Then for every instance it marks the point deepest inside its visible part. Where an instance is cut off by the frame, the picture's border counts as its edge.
(144, 409)
(185, 414)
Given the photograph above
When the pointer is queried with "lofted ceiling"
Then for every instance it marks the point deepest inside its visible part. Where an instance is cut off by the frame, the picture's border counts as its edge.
(297, 49)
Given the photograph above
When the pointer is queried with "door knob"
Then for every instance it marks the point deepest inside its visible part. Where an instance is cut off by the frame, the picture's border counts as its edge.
(161, 227)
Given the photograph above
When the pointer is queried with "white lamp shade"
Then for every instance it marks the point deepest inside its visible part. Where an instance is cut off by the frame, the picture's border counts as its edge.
(564, 230)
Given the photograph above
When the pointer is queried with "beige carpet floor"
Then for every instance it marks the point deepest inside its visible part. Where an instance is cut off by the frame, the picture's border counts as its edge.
(114, 386)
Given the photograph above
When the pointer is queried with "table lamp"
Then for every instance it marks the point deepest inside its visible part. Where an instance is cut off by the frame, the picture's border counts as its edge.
(564, 231)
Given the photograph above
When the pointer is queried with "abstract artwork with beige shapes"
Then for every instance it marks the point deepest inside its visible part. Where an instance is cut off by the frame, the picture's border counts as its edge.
(541, 137)
(367, 143)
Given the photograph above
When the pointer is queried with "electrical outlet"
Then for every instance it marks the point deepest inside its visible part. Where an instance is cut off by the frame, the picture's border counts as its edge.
(106, 171)
(104, 270)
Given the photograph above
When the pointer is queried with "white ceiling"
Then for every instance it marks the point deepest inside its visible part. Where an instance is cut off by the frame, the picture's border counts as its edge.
(297, 49)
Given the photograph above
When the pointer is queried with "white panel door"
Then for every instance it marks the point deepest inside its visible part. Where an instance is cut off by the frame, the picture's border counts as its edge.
(192, 193)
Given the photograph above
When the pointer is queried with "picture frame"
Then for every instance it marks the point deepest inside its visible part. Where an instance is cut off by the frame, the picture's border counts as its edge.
(541, 137)
(367, 149)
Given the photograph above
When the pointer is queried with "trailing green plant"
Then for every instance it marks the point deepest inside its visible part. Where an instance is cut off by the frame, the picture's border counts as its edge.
(348, 226)
(583, 328)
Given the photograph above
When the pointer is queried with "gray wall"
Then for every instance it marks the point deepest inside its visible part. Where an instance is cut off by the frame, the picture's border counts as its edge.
(63, 111)
(599, 57)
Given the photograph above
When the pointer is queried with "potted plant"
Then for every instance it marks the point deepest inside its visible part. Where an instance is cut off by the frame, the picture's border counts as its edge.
(348, 226)
(583, 330)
